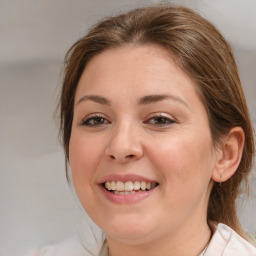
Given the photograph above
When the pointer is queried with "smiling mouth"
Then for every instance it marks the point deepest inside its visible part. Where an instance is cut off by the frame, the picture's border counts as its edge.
(128, 187)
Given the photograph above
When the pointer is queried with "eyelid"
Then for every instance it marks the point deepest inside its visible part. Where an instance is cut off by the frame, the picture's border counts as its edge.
(96, 114)
(93, 115)
(159, 115)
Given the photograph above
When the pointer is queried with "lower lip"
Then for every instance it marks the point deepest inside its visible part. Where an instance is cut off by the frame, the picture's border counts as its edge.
(126, 199)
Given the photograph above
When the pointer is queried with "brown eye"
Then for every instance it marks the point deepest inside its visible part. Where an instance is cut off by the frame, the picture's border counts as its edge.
(95, 121)
(160, 120)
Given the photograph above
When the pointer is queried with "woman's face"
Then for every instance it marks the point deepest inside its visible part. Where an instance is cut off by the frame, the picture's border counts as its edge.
(141, 152)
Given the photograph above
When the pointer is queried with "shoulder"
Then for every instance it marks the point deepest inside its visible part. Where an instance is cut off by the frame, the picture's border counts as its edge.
(70, 247)
(87, 241)
(227, 242)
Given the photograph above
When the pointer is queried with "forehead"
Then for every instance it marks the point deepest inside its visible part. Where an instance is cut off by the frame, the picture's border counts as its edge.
(136, 71)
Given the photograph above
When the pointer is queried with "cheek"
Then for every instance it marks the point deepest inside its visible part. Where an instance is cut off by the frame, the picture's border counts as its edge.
(84, 157)
(183, 160)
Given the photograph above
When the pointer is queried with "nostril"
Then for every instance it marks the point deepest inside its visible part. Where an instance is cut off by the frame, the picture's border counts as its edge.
(130, 156)
(122, 158)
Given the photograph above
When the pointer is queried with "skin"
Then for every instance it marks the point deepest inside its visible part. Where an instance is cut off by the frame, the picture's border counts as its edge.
(129, 138)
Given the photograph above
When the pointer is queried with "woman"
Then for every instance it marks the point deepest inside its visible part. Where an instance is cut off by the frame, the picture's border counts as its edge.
(157, 133)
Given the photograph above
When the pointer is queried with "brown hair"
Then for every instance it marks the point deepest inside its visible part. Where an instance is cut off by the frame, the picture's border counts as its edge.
(202, 52)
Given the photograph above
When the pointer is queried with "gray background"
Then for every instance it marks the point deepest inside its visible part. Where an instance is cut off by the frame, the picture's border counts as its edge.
(37, 206)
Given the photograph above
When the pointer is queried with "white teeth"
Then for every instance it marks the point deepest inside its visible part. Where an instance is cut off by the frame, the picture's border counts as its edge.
(113, 185)
(124, 192)
(130, 187)
(108, 185)
(136, 185)
(119, 186)
(143, 185)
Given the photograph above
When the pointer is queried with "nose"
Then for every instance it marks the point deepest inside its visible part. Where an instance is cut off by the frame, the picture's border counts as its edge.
(124, 144)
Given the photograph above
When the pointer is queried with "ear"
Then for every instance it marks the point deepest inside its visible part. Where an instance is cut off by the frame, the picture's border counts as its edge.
(229, 155)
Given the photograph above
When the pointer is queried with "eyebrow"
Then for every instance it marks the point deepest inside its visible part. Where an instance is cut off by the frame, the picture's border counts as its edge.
(148, 99)
(159, 97)
(95, 98)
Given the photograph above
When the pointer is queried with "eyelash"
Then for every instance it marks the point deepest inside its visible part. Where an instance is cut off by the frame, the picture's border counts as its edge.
(94, 118)
(159, 120)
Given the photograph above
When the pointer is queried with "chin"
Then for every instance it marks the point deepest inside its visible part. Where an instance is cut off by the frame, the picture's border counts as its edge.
(131, 230)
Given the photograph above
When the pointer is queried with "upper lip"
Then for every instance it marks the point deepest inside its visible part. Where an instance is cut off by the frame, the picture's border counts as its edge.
(124, 178)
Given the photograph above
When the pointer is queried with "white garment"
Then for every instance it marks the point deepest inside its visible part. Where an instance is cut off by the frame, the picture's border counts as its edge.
(224, 242)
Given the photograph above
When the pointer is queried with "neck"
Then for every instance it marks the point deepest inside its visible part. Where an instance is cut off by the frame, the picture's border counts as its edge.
(180, 242)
